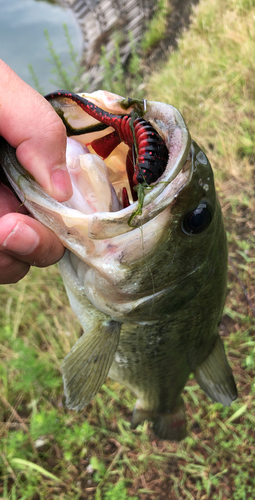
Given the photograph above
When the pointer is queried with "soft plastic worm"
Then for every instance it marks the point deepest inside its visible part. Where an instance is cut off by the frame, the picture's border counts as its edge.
(147, 161)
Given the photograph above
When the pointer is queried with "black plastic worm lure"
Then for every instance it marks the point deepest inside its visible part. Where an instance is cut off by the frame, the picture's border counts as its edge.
(147, 156)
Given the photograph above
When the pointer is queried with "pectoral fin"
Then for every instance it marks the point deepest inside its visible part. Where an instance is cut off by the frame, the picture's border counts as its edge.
(86, 366)
(215, 377)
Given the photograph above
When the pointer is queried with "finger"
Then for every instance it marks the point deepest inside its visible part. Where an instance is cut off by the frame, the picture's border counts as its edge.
(11, 269)
(27, 240)
(29, 124)
(9, 202)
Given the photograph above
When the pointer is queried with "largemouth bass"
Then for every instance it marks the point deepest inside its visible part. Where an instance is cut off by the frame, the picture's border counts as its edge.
(146, 255)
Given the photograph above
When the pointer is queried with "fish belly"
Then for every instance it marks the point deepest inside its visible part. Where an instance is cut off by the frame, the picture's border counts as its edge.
(153, 364)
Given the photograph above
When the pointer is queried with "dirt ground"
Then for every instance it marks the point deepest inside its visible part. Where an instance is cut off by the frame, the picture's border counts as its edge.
(178, 19)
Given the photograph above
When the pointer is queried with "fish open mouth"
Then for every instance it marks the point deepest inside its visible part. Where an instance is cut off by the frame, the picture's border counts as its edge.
(127, 160)
(119, 151)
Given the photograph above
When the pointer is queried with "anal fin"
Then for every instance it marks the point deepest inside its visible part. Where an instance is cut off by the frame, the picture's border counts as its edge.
(86, 366)
(215, 377)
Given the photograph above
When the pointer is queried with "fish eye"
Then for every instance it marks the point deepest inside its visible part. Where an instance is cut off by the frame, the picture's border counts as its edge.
(197, 221)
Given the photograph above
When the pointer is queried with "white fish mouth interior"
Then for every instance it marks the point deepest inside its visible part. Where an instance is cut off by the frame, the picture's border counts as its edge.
(97, 187)
(98, 184)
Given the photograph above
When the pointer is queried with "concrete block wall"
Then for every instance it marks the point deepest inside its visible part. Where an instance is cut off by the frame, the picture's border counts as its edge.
(100, 19)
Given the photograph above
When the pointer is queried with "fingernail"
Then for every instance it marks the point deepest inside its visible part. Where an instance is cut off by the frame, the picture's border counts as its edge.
(62, 187)
(22, 240)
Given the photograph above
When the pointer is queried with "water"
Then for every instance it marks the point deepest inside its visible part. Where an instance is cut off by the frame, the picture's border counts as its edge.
(22, 40)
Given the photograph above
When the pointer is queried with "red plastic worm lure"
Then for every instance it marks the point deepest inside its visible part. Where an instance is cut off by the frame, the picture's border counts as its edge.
(147, 156)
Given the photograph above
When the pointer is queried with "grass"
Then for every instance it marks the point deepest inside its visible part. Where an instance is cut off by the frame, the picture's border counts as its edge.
(156, 29)
(119, 78)
(49, 452)
(72, 77)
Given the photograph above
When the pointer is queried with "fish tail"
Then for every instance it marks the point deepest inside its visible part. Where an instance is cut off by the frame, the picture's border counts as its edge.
(172, 425)
(168, 425)
(139, 416)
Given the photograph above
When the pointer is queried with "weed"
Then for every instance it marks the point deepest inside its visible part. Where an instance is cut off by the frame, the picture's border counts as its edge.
(122, 79)
(156, 28)
(118, 77)
(74, 83)
(118, 492)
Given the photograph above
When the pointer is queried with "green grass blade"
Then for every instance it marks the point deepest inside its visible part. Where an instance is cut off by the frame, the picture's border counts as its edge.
(22, 464)
(238, 413)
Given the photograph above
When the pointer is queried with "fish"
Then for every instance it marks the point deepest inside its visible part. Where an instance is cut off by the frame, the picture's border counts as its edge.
(145, 265)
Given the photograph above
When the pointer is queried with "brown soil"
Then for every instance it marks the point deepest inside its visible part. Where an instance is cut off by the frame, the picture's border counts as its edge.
(178, 19)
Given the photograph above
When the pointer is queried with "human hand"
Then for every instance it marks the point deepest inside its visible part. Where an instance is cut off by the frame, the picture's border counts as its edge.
(29, 124)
